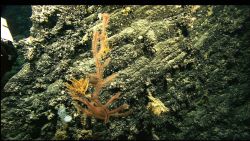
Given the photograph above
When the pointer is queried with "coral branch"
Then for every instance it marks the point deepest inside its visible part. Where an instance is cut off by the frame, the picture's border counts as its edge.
(112, 99)
(109, 78)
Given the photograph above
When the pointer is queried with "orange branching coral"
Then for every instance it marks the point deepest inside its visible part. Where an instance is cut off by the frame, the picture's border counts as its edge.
(78, 89)
(96, 79)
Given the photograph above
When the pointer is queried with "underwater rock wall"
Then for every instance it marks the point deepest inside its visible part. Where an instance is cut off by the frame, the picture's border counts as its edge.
(194, 59)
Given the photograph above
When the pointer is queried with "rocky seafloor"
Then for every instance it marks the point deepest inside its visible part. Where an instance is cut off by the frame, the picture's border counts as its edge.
(194, 59)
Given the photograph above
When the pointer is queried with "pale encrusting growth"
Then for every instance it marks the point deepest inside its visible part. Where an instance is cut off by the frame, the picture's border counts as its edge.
(156, 106)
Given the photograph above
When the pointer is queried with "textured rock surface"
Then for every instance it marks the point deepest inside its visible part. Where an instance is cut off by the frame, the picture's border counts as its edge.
(195, 59)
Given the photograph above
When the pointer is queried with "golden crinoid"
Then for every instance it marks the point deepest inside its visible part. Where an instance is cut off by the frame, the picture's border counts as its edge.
(78, 87)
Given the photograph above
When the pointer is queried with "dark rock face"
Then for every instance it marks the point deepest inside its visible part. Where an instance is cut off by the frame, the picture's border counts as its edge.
(18, 20)
(19, 24)
(195, 59)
